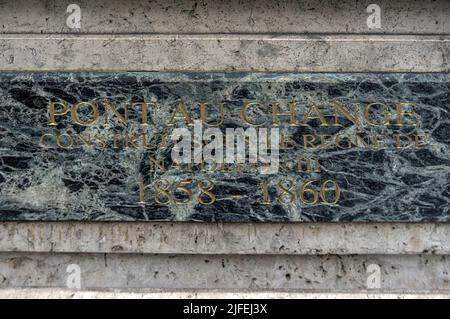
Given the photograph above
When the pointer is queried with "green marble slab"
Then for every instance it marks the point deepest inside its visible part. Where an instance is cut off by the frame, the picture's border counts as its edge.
(349, 147)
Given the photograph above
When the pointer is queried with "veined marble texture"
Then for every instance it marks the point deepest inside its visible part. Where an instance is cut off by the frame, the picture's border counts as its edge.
(96, 179)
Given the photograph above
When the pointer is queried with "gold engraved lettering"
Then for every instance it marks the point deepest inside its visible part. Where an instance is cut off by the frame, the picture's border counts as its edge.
(180, 109)
(53, 113)
(244, 116)
(204, 117)
(276, 114)
(75, 117)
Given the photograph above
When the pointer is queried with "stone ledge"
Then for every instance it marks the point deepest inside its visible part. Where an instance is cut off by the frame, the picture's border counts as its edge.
(37, 293)
(234, 16)
(308, 273)
(352, 53)
(206, 238)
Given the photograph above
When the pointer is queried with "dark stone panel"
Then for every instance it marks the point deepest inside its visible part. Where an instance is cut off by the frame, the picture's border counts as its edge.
(93, 174)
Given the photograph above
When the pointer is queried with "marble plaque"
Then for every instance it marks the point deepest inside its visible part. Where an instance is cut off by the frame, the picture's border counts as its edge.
(231, 147)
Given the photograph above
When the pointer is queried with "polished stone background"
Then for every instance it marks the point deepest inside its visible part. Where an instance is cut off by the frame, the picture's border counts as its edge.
(86, 183)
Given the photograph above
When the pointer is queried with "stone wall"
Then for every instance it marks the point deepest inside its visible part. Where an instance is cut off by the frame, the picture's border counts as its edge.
(305, 36)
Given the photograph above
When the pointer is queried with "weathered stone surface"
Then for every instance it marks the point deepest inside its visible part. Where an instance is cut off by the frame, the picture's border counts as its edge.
(189, 294)
(227, 238)
(231, 16)
(330, 273)
(225, 52)
(97, 180)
